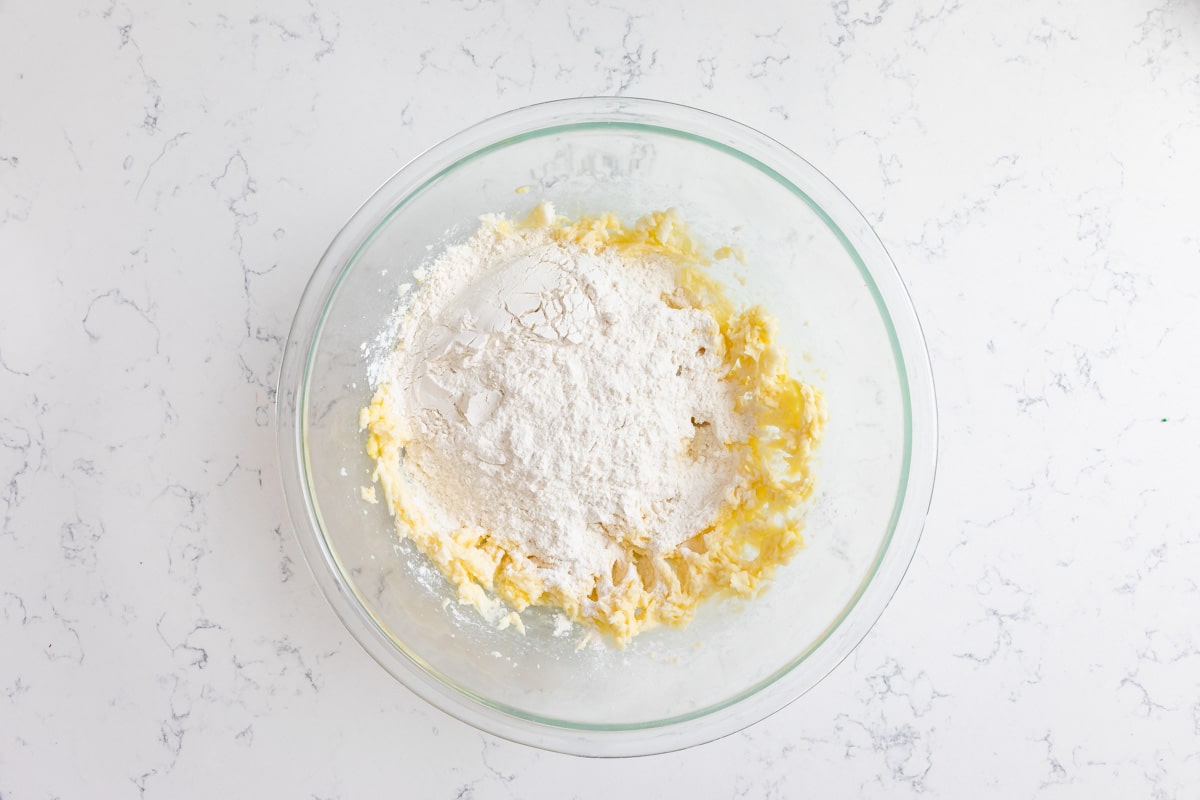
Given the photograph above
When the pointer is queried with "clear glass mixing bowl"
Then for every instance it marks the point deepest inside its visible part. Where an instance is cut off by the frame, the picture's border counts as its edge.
(844, 316)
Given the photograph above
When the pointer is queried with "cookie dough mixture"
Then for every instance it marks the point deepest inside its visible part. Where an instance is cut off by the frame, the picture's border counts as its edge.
(575, 415)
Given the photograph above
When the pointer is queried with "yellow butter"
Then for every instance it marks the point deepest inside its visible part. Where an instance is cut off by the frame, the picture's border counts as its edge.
(760, 525)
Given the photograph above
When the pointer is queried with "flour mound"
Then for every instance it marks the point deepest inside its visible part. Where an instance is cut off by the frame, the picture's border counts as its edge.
(567, 402)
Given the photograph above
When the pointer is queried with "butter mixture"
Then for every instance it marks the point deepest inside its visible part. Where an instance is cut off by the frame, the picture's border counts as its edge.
(575, 415)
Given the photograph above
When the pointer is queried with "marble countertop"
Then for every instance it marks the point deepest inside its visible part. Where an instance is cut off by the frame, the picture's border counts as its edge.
(169, 174)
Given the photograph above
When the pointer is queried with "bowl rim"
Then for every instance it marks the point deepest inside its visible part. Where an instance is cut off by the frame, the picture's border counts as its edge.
(914, 373)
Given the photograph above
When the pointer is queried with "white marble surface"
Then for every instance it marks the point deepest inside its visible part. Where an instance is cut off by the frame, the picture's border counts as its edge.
(169, 174)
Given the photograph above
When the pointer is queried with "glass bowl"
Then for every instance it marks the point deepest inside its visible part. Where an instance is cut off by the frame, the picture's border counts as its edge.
(845, 319)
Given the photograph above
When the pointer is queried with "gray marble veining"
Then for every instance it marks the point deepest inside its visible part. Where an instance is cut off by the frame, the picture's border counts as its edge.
(170, 174)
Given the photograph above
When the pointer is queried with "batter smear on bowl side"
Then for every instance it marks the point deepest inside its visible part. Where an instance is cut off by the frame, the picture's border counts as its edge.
(575, 415)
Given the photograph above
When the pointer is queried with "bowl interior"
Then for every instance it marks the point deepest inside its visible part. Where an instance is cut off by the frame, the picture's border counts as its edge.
(831, 321)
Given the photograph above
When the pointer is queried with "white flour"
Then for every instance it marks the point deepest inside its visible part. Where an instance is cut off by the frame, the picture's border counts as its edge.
(553, 398)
